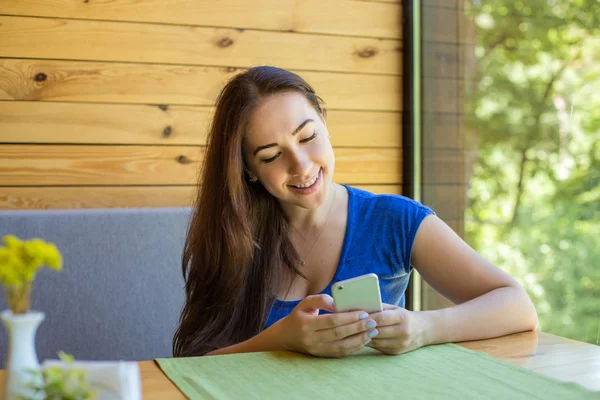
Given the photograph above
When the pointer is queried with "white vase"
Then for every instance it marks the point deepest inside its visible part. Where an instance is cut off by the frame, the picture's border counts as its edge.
(21, 356)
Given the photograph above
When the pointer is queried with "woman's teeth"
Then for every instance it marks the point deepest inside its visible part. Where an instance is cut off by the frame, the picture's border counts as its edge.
(309, 183)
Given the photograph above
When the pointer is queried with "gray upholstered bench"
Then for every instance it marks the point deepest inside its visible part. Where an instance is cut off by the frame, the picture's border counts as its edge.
(121, 290)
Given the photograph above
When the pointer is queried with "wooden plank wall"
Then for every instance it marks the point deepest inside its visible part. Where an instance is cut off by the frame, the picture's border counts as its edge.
(106, 104)
(447, 51)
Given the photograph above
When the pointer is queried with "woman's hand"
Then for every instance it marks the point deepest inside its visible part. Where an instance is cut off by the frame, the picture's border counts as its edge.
(326, 335)
(400, 330)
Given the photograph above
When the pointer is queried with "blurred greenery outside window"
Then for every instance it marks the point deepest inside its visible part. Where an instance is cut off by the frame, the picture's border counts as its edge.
(531, 140)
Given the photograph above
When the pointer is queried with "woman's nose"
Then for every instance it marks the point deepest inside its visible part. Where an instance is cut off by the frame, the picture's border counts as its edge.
(300, 164)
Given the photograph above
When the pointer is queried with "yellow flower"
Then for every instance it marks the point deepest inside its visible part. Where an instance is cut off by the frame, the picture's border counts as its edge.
(10, 266)
(33, 253)
(4, 255)
(52, 257)
(12, 241)
(19, 262)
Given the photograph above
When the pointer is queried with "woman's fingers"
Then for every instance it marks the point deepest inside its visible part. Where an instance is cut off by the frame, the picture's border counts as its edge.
(340, 332)
(314, 303)
(346, 346)
(390, 331)
(389, 346)
(327, 321)
(383, 343)
(389, 317)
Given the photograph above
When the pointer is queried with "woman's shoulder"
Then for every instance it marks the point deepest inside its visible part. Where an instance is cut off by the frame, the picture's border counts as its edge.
(364, 198)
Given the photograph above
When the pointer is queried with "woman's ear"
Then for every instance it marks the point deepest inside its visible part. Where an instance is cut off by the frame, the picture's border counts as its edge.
(251, 177)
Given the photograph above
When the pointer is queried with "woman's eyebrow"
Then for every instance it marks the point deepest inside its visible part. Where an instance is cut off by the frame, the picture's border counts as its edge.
(302, 125)
(298, 129)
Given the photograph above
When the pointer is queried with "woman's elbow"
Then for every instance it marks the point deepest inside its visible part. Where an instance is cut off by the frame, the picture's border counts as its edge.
(529, 313)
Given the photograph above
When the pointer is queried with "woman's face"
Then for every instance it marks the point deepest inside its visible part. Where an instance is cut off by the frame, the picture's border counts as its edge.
(287, 148)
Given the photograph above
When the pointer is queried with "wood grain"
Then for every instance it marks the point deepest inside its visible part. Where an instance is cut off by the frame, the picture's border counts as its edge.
(48, 165)
(336, 17)
(554, 356)
(47, 122)
(368, 166)
(449, 60)
(443, 3)
(107, 104)
(83, 197)
(444, 95)
(443, 166)
(442, 24)
(27, 37)
(78, 197)
(51, 80)
(448, 201)
(155, 384)
(444, 131)
(365, 129)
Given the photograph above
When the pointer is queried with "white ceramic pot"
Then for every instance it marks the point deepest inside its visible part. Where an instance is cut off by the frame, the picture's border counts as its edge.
(21, 356)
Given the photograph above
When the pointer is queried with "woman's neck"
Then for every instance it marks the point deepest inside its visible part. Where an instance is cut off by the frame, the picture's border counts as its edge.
(305, 220)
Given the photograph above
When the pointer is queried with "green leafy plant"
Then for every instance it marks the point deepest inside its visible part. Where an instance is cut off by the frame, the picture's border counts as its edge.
(534, 187)
(58, 383)
(19, 262)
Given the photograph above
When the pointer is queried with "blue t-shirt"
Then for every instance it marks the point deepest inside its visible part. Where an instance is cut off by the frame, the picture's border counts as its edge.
(380, 232)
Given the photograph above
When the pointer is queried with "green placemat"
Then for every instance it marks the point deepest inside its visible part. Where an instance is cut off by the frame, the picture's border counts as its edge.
(444, 371)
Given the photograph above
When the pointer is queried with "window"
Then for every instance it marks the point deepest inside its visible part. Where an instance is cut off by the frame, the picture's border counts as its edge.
(511, 145)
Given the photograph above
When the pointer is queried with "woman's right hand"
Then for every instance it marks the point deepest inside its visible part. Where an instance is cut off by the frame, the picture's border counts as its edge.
(327, 335)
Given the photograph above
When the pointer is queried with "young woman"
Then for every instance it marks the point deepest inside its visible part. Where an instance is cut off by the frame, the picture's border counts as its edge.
(271, 232)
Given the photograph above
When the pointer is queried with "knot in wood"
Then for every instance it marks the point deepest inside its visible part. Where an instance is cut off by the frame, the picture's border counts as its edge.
(225, 42)
(40, 77)
(183, 160)
(167, 131)
(367, 52)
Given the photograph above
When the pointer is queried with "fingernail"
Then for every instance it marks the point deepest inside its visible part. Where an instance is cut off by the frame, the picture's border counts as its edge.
(363, 316)
(367, 342)
(373, 333)
(371, 324)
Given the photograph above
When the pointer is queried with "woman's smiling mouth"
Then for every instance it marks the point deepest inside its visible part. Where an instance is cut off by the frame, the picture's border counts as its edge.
(310, 186)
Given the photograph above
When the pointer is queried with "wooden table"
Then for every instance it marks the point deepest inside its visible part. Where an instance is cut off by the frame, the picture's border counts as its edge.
(564, 359)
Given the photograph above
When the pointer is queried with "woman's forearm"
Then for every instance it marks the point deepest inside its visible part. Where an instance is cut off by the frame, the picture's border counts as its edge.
(500, 312)
(264, 341)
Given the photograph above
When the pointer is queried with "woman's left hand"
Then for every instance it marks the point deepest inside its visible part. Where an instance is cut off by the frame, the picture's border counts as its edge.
(400, 330)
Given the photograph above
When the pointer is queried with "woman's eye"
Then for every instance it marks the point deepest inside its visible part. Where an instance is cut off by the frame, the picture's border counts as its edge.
(270, 160)
(308, 139)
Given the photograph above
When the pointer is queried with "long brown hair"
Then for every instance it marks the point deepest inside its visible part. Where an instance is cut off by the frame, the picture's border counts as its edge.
(238, 245)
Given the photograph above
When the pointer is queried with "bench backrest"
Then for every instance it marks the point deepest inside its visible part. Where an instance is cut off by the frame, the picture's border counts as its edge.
(121, 291)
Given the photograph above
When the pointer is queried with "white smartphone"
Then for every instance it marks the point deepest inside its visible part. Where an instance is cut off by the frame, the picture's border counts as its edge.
(360, 293)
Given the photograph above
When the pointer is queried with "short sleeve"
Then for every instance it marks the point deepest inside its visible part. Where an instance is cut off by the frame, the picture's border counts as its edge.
(415, 217)
(406, 215)
(382, 231)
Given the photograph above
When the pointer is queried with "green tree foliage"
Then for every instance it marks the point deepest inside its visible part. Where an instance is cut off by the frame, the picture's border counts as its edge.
(533, 108)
